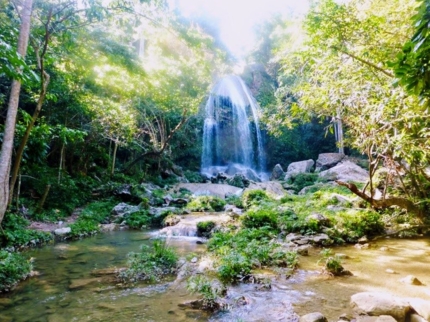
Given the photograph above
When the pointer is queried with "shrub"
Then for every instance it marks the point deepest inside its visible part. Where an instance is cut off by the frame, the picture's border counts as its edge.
(354, 224)
(234, 200)
(14, 233)
(234, 267)
(204, 228)
(206, 203)
(194, 177)
(210, 290)
(254, 197)
(260, 217)
(13, 268)
(332, 264)
(150, 264)
(84, 227)
(301, 180)
(138, 220)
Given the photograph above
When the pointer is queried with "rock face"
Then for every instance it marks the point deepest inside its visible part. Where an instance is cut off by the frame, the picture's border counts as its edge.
(271, 187)
(376, 304)
(326, 161)
(124, 209)
(299, 167)
(277, 172)
(345, 171)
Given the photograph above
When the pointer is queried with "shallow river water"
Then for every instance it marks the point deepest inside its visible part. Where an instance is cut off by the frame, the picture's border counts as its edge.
(66, 289)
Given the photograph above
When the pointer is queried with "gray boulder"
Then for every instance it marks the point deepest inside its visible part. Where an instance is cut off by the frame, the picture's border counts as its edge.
(277, 172)
(346, 171)
(313, 317)
(375, 304)
(299, 167)
(62, 231)
(122, 209)
(326, 161)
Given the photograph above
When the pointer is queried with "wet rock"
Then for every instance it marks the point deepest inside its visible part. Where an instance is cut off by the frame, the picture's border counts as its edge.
(390, 271)
(345, 317)
(84, 282)
(411, 280)
(62, 231)
(384, 249)
(109, 227)
(104, 271)
(303, 250)
(299, 167)
(365, 318)
(363, 240)
(361, 246)
(313, 317)
(341, 256)
(322, 239)
(421, 307)
(292, 237)
(277, 172)
(192, 304)
(345, 171)
(194, 260)
(302, 241)
(376, 304)
(328, 160)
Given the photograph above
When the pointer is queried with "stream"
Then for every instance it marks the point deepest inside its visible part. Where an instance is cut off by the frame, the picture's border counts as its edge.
(68, 290)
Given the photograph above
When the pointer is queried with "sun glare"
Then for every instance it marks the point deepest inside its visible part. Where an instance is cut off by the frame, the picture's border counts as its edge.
(236, 19)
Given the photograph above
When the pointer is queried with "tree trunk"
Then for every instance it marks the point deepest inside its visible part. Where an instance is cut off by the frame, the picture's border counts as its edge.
(384, 203)
(9, 130)
(115, 149)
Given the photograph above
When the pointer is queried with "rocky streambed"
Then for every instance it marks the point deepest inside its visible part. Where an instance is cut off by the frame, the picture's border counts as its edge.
(73, 284)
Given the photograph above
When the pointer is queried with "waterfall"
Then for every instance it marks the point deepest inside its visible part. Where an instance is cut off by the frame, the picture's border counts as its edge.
(231, 133)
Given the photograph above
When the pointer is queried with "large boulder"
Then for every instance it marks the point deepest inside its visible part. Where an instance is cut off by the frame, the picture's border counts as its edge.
(375, 304)
(313, 317)
(122, 209)
(277, 172)
(209, 189)
(345, 171)
(299, 167)
(326, 161)
(273, 188)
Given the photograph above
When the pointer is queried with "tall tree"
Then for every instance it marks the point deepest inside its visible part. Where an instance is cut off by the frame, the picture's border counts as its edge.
(9, 130)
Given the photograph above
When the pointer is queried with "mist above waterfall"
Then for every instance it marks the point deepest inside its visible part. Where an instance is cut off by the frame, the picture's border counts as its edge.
(231, 134)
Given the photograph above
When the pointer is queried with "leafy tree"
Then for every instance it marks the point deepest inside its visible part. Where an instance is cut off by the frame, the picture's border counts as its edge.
(342, 71)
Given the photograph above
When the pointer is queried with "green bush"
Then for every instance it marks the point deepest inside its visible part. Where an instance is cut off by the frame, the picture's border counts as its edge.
(234, 267)
(13, 268)
(234, 200)
(84, 227)
(151, 264)
(354, 224)
(301, 180)
(194, 177)
(210, 290)
(260, 217)
(138, 220)
(206, 203)
(204, 228)
(14, 233)
(253, 198)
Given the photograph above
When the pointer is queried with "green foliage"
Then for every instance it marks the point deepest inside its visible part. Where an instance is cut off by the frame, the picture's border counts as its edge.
(301, 180)
(13, 268)
(194, 177)
(206, 203)
(258, 217)
(210, 290)
(84, 227)
(234, 200)
(234, 267)
(138, 220)
(353, 225)
(332, 264)
(254, 197)
(14, 233)
(151, 264)
(204, 228)
(245, 249)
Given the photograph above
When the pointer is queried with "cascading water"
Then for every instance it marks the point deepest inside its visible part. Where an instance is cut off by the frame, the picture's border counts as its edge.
(228, 135)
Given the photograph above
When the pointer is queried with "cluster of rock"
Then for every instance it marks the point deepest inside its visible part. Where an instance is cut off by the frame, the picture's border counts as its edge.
(331, 166)
(380, 307)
